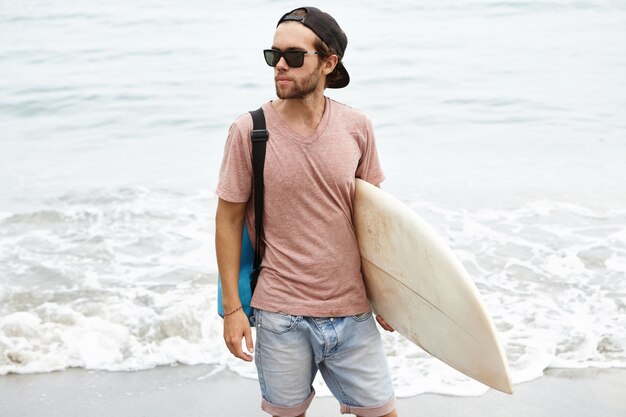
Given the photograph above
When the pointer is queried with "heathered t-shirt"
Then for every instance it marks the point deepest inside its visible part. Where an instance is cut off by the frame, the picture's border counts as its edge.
(311, 264)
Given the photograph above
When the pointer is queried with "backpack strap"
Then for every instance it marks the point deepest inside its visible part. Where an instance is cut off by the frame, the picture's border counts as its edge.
(259, 137)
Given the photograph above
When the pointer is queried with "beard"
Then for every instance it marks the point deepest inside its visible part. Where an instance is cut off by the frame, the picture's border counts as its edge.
(300, 89)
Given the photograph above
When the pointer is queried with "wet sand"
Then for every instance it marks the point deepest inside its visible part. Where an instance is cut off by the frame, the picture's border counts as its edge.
(194, 391)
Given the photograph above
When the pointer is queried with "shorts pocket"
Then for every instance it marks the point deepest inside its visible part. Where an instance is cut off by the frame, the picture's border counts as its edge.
(277, 323)
(362, 317)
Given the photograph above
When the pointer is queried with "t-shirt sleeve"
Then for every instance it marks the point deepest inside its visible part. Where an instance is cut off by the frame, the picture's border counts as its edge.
(235, 179)
(369, 168)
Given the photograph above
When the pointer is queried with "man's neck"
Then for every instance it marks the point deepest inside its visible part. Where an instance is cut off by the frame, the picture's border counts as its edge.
(302, 115)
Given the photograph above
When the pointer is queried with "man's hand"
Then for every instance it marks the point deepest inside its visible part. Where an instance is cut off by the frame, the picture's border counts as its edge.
(237, 327)
(384, 324)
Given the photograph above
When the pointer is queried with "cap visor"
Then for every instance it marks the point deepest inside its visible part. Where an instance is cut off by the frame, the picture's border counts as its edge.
(342, 80)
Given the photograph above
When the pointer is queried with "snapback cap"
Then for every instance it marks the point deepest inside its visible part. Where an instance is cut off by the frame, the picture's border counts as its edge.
(327, 28)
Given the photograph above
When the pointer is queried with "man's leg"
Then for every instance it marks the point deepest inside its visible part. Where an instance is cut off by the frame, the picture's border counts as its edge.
(392, 414)
(355, 367)
(285, 365)
(301, 415)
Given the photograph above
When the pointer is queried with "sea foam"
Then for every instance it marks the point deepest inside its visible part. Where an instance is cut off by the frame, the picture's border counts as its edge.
(102, 282)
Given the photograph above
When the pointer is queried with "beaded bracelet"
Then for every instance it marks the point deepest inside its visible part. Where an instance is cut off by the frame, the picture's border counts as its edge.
(234, 311)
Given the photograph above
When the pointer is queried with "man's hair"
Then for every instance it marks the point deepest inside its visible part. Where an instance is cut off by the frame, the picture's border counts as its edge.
(321, 47)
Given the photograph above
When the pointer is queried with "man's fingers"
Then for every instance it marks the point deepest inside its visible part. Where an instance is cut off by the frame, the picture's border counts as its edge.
(239, 353)
(384, 324)
(249, 342)
(234, 346)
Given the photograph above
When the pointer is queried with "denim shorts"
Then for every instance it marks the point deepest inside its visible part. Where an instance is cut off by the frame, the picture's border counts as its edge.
(348, 352)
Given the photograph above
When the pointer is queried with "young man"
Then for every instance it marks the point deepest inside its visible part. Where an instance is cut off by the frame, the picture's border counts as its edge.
(311, 310)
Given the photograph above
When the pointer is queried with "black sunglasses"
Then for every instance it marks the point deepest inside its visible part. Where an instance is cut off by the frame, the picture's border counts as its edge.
(294, 59)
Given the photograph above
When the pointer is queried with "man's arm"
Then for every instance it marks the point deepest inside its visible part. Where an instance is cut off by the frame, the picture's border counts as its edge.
(229, 220)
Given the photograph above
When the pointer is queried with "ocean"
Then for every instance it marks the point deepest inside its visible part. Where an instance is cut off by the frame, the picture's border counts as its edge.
(501, 123)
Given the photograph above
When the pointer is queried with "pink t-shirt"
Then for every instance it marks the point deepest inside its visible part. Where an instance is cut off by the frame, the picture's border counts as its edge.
(311, 264)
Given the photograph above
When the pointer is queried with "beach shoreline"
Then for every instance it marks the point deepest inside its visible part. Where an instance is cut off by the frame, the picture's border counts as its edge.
(203, 390)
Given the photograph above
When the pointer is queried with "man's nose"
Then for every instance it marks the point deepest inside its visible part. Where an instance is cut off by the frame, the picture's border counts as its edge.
(282, 64)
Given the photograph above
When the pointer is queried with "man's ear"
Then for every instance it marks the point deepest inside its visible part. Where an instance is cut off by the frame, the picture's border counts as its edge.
(330, 62)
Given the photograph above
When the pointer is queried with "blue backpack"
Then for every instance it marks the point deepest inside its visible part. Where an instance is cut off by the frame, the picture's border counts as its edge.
(250, 262)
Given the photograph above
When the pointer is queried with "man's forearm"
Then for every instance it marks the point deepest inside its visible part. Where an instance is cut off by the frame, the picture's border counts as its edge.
(228, 233)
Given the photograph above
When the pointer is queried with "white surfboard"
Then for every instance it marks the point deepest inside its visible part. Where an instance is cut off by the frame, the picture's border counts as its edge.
(421, 289)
